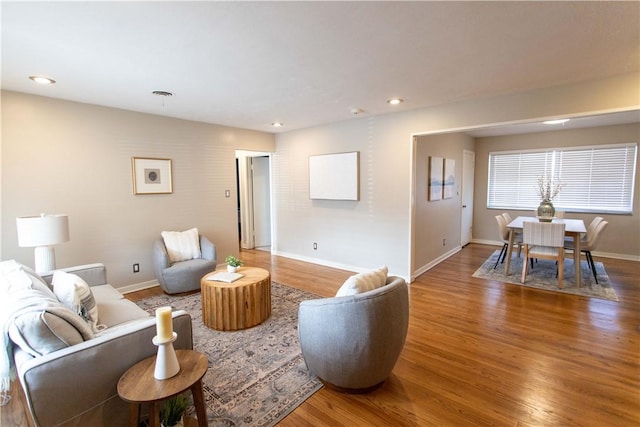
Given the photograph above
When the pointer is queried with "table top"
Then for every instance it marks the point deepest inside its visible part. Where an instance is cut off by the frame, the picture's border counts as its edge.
(250, 276)
(571, 225)
(139, 385)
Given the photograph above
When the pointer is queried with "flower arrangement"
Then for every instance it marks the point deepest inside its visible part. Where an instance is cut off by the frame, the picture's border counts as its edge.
(233, 261)
(547, 189)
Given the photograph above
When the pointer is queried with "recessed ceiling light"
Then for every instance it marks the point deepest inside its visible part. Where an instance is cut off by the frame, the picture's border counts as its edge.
(395, 101)
(556, 122)
(42, 80)
(162, 93)
(277, 124)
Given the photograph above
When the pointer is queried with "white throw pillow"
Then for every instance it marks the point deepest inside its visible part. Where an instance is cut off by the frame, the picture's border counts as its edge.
(76, 294)
(182, 245)
(364, 282)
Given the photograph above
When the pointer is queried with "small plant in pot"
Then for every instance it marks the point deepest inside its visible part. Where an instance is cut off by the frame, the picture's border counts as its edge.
(173, 410)
(233, 263)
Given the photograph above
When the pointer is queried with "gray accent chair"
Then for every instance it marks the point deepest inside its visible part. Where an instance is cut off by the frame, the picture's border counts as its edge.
(183, 276)
(353, 342)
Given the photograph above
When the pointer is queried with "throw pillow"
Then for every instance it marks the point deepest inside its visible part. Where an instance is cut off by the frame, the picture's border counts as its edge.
(182, 245)
(76, 294)
(364, 282)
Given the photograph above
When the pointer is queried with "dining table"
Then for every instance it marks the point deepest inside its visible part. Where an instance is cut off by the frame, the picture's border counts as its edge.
(573, 228)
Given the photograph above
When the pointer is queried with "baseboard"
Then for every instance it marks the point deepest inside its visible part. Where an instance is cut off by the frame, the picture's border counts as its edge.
(625, 257)
(435, 262)
(138, 286)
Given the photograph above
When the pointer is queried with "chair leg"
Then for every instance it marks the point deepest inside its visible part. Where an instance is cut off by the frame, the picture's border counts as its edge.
(524, 265)
(560, 272)
(503, 250)
(592, 265)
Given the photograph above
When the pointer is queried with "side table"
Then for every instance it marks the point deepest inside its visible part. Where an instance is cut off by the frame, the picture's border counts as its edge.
(138, 386)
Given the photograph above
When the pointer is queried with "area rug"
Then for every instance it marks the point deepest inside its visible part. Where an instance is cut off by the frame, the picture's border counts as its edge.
(256, 376)
(543, 276)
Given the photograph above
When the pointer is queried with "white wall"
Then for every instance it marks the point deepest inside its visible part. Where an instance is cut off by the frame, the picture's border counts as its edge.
(66, 157)
(378, 229)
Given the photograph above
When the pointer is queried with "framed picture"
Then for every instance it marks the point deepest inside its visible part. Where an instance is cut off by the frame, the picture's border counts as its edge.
(151, 176)
(448, 188)
(335, 176)
(435, 178)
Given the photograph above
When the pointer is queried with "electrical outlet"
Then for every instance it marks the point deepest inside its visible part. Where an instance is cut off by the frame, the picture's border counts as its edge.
(227, 193)
(444, 242)
(315, 246)
(136, 268)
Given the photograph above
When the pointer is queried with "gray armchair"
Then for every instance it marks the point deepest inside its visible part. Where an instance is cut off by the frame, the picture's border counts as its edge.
(353, 342)
(183, 276)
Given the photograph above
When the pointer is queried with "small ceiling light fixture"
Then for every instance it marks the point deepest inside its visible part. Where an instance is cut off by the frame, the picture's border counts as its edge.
(355, 111)
(277, 124)
(42, 80)
(556, 122)
(162, 93)
(395, 101)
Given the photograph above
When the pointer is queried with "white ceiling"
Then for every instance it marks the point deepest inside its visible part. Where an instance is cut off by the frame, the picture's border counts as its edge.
(248, 64)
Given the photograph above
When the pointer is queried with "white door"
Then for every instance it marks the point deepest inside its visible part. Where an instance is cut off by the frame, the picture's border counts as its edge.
(261, 202)
(466, 225)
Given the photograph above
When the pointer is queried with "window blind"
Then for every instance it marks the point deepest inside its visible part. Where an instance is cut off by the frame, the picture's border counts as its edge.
(594, 179)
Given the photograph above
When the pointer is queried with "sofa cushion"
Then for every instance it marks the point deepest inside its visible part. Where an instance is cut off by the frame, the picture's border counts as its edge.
(114, 308)
(182, 245)
(76, 294)
(364, 282)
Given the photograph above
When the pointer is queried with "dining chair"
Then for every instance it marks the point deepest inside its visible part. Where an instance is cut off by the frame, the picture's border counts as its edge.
(543, 240)
(504, 235)
(591, 229)
(588, 245)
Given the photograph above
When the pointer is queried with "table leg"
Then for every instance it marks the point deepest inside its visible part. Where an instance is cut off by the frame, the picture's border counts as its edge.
(576, 258)
(509, 251)
(154, 419)
(134, 414)
(198, 402)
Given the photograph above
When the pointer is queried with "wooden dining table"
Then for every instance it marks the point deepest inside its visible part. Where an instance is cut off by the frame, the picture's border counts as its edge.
(573, 228)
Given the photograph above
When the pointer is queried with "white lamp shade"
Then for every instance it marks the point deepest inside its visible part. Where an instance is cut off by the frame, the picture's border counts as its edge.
(43, 230)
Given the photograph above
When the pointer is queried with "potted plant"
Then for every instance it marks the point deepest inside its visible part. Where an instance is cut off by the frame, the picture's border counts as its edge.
(233, 263)
(173, 410)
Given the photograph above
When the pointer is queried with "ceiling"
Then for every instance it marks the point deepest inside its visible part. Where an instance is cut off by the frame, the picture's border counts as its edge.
(249, 64)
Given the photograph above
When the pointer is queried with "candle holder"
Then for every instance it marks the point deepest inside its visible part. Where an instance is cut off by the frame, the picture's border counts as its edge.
(167, 364)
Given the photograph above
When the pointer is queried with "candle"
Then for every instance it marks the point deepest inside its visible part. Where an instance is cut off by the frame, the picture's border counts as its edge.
(164, 323)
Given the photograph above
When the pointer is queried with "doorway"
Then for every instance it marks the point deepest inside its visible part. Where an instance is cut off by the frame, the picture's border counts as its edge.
(254, 199)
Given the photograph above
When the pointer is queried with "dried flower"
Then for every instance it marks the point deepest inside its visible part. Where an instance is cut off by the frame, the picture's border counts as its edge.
(547, 189)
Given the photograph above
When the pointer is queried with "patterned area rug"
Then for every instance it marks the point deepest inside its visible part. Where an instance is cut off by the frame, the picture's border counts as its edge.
(256, 376)
(543, 276)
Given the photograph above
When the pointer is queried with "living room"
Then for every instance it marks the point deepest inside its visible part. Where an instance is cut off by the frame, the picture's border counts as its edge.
(74, 157)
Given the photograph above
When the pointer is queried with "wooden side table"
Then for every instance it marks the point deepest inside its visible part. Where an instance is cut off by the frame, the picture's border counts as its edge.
(241, 304)
(138, 386)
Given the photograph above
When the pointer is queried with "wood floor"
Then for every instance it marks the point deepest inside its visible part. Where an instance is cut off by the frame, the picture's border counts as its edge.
(484, 353)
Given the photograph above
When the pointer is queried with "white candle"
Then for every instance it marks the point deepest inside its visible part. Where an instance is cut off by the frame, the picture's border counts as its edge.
(164, 323)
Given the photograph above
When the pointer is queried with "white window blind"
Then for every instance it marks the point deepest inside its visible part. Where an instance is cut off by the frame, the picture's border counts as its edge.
(594, 179)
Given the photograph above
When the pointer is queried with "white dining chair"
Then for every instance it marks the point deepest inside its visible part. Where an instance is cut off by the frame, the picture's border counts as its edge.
(504, 235)
(543, 240)
(588, 245)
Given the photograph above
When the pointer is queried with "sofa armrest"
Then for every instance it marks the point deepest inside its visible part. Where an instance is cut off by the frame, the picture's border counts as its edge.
(78, 385)
(94, 274)
(208, 249)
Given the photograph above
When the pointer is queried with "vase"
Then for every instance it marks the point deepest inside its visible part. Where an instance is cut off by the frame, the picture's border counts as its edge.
(231, 269)
(546, 211)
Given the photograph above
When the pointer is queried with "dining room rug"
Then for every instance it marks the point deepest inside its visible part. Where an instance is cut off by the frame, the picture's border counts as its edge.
(543, 276)
(256, 376)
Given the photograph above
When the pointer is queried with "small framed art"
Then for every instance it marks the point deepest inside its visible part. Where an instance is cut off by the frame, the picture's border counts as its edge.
(435, 178)
(151, 176)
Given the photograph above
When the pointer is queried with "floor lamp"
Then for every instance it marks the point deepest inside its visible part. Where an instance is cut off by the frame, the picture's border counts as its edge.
(42, 232)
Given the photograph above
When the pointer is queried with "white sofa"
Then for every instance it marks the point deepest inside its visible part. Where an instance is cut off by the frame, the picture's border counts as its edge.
(76, 385)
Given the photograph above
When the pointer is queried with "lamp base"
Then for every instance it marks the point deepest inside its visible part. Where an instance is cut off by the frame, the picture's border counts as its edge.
(45, 258)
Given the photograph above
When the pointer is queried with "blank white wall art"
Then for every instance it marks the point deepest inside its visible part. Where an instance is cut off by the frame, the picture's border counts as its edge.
(449, 185)
(335, 176)
(435, 178)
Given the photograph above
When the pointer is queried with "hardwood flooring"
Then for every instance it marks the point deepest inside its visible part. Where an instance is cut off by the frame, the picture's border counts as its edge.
(480, 352)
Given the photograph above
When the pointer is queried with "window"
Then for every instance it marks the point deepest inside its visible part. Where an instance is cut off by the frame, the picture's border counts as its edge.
(594, 179)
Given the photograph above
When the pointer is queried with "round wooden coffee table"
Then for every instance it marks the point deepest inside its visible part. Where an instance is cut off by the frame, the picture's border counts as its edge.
(138, 386)
(241, 304)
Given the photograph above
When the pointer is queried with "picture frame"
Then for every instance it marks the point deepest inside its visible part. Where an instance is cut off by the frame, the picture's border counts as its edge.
(335, 176)
(449, 179)
(151, 175)
(435, 178)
